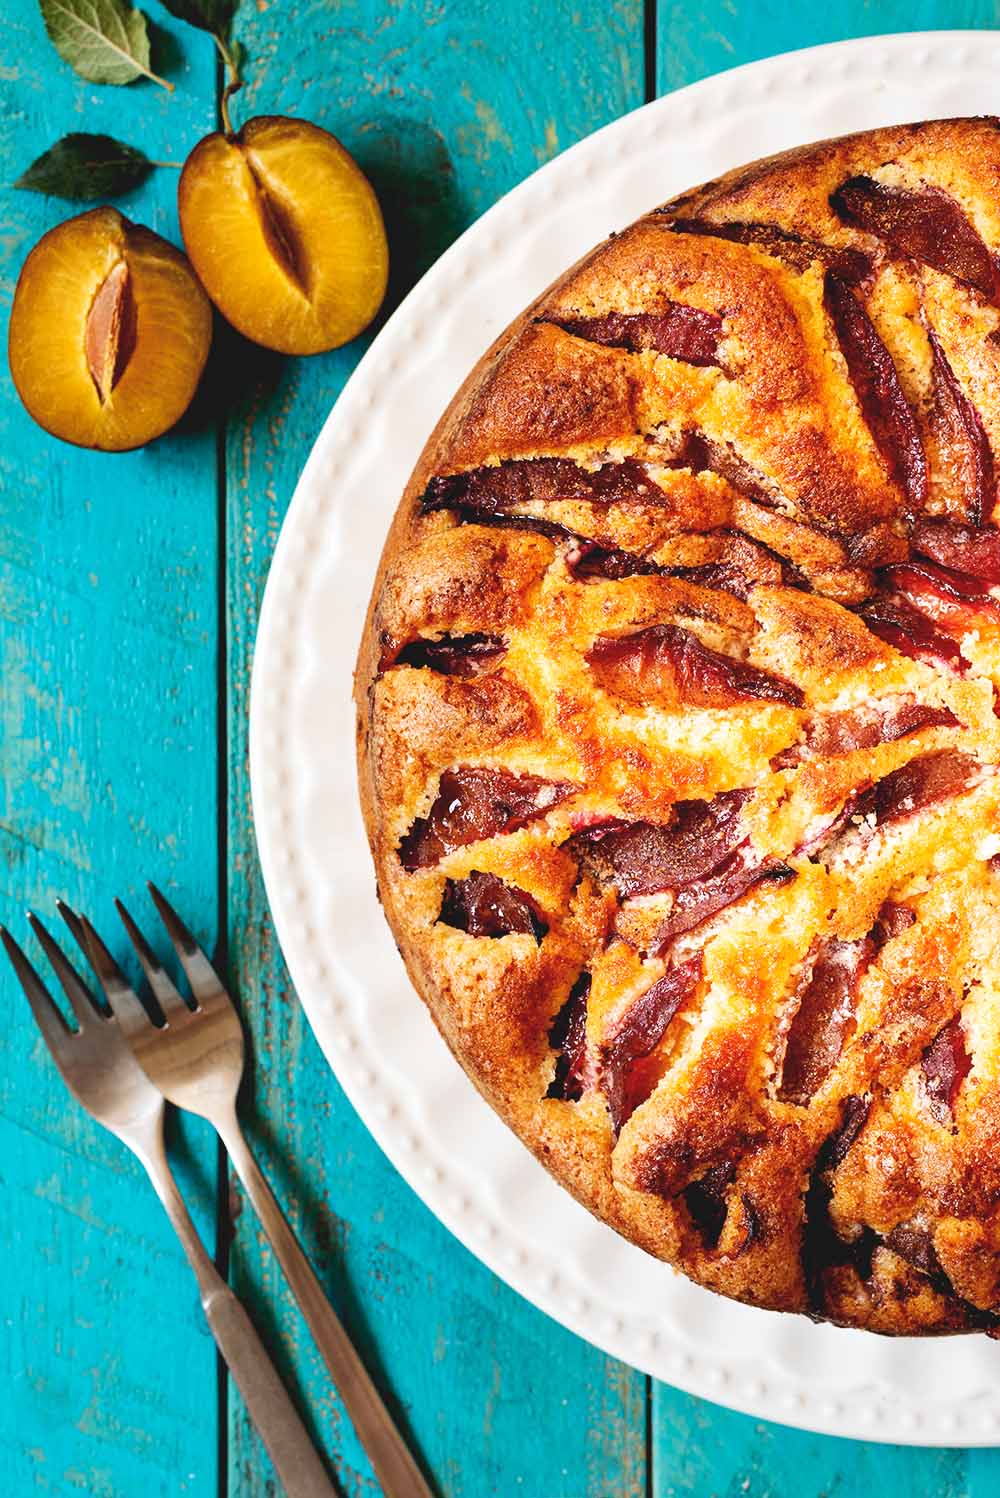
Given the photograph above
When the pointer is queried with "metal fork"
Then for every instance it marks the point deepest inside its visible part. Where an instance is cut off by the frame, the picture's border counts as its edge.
(98, 1067)
(195, 1059)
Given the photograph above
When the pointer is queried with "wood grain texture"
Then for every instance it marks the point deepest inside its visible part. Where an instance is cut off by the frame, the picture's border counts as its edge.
(702, 1451)
(107, 775)
(694, 41)
(445, 108)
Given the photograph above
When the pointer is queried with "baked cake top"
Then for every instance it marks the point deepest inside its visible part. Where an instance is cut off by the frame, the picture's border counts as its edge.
(679, 734)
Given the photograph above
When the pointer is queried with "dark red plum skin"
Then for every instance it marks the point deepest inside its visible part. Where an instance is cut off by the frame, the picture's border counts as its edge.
(880, 395)
(852, 266)
(717, 891)
(484, 905)
(450, 655)
(964, 419)
(644, 858)
(473, 803)
(701, 676)
(640, 1031)
(946, 1064)
(924, 224)
(900, 625)
(568, 1037)
(843, 732)
(972, 550)
(824, 1017)
(499, 488)
(683, 332)
(920, 783)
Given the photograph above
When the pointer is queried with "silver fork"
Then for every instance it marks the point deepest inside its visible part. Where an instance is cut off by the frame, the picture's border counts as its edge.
(195, 1059)
(98, 1067)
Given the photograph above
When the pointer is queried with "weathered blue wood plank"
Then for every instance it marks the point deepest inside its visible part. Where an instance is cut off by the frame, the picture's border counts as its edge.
(697, 40)
(446, 107)
(702, 1451)
(698, 1449)
(107, 775)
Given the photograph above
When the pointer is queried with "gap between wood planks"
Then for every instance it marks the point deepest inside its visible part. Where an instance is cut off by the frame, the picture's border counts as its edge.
(221, 953)
(223, 1234)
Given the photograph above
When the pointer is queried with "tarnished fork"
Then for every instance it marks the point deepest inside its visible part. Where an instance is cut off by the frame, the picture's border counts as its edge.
(195, 1059)
(100, 1070)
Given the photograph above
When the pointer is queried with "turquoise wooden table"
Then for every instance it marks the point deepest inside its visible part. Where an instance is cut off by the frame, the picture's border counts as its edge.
(129, 591)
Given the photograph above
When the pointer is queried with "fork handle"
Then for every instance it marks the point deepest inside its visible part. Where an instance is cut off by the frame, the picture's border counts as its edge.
(391, 1461)
(299, 1468)
(295, 1459)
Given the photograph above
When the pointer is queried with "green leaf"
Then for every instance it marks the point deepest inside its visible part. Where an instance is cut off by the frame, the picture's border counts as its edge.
(85, 168)
(105, 41)
(209, 15)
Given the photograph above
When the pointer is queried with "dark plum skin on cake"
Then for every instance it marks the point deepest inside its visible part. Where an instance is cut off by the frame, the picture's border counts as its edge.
(679, 730)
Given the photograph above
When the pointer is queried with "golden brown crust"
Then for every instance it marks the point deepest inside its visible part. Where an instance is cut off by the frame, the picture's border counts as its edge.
(677, 729)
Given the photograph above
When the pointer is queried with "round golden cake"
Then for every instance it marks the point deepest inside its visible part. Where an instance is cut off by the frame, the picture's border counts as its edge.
(679, 737)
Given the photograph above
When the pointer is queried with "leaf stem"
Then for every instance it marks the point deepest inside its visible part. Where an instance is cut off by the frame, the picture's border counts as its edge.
(233, 83)
(155, 78)
(175, 164)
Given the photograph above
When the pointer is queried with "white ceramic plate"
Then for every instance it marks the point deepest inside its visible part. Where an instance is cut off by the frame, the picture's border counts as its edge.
(379, 1040)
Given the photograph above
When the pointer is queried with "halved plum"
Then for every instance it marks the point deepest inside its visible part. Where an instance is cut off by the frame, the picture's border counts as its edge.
(285, 233)
(827, 829)
(716, 891)
(722, 458)
(741, 565)
(921, 783)
(702, 856)
(109, 332)
(588, 562)
(952, 597)
(474, 802)
(668, 665)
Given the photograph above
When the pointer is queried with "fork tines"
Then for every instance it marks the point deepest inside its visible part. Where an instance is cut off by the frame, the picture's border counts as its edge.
(48, 1015)
(117, 989)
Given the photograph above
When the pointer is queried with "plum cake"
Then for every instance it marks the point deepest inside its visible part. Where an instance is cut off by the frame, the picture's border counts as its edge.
(679, 730)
